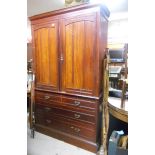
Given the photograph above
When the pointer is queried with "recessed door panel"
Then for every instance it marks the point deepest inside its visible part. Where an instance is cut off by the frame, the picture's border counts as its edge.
(89, 56)
(46, 55)
(78, 69)
(78, 59)
(69, 56)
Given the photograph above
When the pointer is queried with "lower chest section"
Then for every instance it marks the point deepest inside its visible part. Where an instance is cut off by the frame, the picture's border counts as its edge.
(77, 117)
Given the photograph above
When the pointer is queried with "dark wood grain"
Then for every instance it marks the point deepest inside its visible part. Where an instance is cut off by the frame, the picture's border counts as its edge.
(78, 51)
(46, 55)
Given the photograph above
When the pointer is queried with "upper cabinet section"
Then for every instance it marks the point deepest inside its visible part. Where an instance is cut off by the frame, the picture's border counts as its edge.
(67, 50)
(45, 39)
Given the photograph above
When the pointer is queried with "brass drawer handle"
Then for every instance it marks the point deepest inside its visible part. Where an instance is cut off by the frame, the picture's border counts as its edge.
(76, 116)
(47, 109)
(53, 25)
(61, 58)
(76, 129)
(46, 97)
(77, 103)
(48, 121)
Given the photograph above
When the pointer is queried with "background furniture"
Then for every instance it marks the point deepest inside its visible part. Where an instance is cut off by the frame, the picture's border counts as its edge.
(118, 120)
(118, 107)
(68, 50)
(116, 110)
(114, 115)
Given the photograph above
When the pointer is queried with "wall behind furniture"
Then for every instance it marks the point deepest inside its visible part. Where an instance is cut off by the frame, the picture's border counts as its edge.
(118, 32)
(35, 7)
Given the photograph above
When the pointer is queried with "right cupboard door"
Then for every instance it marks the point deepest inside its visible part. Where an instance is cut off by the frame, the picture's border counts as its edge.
(78, 55)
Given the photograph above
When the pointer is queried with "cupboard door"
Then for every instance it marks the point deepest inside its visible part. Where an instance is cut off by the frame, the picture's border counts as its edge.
(46, 55)
(78, 52)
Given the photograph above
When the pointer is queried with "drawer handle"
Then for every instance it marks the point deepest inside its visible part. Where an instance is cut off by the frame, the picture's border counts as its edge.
(76, 116)
(48, 121)
(75, 129)
(46, 97)
(53, 25)
(77, 103)
(47, 109)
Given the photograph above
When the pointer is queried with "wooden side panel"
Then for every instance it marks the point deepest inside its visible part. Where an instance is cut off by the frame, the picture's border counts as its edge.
(46, 56)
(103, 29)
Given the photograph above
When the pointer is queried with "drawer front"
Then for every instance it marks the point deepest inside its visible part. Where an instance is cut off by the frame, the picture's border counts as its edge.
(68, 103)
(64, 106)
(74, 115)
(77, 130)
(47, 97)
(79, 102)
(49, 110)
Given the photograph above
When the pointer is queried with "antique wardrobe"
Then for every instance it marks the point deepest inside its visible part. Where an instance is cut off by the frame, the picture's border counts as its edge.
(68, 50)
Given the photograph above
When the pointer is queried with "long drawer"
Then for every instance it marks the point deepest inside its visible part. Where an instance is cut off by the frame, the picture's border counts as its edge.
(68, 103)
(49, 110)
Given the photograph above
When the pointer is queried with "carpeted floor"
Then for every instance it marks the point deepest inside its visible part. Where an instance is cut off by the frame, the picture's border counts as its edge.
(45, 145)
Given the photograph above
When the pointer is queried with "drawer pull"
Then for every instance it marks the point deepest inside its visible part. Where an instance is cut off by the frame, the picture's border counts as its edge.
(46, 97)
(47, 109)
(77, 103)
(76, 116)
(53, 25)
(48, 121)
(75, 129)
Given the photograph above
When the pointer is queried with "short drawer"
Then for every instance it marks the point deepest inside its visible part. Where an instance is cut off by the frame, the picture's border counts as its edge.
(79, 102)
(47, 97)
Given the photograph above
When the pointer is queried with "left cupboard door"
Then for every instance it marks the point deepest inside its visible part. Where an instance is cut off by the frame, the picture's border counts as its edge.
(46, 55)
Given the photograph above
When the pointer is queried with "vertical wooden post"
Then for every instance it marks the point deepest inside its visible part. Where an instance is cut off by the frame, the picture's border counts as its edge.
(31, 105)
(105, 114)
